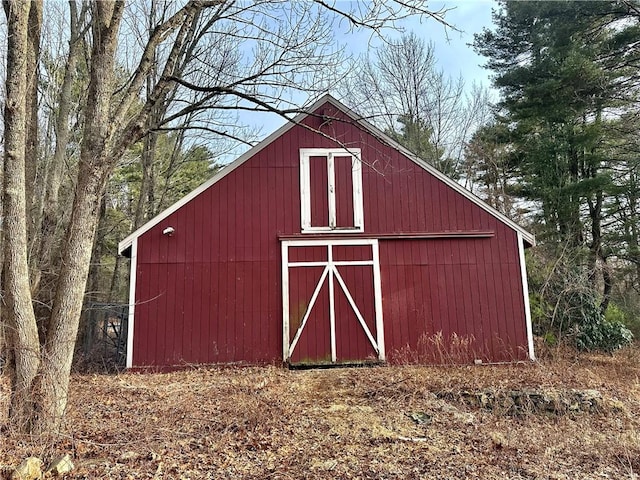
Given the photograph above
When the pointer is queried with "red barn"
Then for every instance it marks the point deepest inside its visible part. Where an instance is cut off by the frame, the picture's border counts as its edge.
(328, 243)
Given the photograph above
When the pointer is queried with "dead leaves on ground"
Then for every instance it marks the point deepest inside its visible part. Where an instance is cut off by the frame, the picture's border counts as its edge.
(360, 423)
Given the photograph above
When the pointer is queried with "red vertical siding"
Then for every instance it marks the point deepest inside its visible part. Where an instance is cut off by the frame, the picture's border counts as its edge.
(461, 309)
(212, 291)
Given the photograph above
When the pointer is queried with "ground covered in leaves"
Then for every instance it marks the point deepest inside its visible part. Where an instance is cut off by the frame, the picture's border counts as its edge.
(397, 422)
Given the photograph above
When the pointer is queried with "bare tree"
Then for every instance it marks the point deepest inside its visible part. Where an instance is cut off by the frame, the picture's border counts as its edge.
(264, 50)
(23, 332)
(400, 87)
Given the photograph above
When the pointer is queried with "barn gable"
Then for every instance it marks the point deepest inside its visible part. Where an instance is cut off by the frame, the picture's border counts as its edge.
(304, 232)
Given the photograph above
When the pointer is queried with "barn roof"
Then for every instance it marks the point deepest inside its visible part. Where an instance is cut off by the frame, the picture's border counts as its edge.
(125, 244)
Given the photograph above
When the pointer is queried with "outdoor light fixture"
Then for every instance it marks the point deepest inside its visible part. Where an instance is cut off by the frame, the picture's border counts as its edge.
(168, 231)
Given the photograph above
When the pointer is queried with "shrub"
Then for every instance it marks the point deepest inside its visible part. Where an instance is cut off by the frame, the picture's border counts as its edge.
(603, 336)
(566, 303)
(606, 333)
(626, 315)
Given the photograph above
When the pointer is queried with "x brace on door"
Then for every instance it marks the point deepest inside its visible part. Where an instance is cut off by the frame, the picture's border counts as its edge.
(329, 273)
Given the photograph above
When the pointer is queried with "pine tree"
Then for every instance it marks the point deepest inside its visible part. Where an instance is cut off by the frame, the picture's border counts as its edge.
(567, 72)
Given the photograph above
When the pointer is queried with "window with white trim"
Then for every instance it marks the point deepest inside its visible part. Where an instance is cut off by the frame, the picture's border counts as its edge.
(331, 190)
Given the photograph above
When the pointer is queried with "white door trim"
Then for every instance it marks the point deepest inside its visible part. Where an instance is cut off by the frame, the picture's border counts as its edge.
(328, 274)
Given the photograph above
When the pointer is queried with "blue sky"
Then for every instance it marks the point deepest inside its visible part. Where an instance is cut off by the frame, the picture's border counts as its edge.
(454, 55)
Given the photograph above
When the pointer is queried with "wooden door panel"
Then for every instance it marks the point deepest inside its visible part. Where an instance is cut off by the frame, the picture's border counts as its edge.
(352, 343)
(302, 284)
(359, 281)
(333, 306)
(314, 341)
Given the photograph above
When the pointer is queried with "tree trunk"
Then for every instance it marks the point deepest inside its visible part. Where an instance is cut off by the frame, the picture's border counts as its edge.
(51, 387)
(31, 148)
(145, 206)
(34, 26)
(20, 315)
(114, 285)
(94, 292)
(45, 251)
(145, 200)
(50, 392)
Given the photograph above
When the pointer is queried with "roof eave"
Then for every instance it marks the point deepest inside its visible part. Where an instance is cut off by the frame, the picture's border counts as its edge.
(124, 249)
(125, 244)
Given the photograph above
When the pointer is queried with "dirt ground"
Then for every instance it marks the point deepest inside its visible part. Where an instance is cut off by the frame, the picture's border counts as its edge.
(400, 422)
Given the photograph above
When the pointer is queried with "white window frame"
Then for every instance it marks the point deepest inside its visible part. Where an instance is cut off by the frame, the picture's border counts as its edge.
(305, 189)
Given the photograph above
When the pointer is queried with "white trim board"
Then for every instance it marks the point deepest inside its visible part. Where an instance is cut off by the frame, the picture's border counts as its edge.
(384, 138)
(356, 184)
(330, 272)
(525, 294)
(132, 301)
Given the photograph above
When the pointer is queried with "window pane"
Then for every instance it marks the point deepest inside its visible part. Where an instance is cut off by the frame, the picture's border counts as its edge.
(319, 192)
(344, 192)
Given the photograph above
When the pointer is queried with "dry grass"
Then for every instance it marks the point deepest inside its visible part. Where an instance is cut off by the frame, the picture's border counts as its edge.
(260, 423)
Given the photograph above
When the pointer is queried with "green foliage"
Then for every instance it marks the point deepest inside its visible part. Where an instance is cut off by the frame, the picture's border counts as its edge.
(538, 310)
(603, 335)
(566, 136)
(615, 314)
(627, 316)
(176, 172)
(578, 306)
(556, 67)
(541, 316)
(550, 339)
(415, 135)
(491, 166)
(565, 305)
(194, 167)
